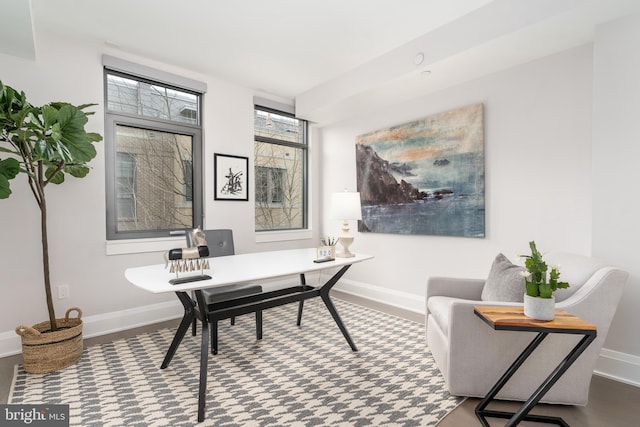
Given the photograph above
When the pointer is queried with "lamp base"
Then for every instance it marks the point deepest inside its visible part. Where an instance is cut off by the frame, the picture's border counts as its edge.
(345, 240)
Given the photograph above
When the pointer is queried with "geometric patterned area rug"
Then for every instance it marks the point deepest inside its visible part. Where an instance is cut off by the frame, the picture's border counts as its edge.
(294, 376)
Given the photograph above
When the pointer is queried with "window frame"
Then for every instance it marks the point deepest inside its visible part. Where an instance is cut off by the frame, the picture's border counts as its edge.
(120, 118)
(304, 146)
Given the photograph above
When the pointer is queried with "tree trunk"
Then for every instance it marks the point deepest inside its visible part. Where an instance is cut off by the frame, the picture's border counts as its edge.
(45, 263)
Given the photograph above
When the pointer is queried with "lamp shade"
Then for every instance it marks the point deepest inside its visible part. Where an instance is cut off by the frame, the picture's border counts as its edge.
(346, 205)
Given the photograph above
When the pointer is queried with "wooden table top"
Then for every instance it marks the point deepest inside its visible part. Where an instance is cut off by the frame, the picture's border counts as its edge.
(513, 319)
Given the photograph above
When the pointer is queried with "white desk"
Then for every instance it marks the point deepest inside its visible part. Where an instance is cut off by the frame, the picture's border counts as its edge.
(238, 269)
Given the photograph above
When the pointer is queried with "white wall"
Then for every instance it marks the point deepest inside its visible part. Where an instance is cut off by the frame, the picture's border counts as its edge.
(71, 70)
(537, 165)
(549, 177)
(616, 175)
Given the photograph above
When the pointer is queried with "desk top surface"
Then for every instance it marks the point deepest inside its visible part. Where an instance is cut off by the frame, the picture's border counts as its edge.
(513, 319)
(241, 268)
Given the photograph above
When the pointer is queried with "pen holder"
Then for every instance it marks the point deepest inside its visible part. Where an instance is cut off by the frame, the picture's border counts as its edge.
(327, 252)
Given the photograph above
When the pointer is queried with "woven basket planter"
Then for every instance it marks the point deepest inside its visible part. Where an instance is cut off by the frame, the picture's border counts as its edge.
(44, 351)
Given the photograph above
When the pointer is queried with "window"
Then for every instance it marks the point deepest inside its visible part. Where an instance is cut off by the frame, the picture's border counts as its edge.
(187, 174)
(280, 157)
(270, 185)
(154, 151)
(125, 183)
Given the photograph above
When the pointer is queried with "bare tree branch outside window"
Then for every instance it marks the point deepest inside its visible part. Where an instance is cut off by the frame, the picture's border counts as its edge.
(161, 187)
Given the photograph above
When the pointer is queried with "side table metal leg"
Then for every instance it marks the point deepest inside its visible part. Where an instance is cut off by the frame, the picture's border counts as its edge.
(481, 410)
(548, 383)
(523, 412)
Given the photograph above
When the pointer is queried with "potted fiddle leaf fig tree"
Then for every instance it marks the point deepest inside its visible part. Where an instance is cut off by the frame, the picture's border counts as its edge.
(45, 143)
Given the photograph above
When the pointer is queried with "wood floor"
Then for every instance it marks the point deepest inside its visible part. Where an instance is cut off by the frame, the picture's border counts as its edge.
(611, 403)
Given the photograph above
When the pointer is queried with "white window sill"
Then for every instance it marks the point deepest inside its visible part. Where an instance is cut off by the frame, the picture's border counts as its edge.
(281, 236)
(138, 246)
(162, 244)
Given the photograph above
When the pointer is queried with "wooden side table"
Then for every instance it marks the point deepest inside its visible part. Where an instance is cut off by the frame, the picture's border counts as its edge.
(513, 319)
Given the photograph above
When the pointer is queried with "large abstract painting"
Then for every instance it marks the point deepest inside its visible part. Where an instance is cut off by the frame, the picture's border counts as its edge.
(424, 177)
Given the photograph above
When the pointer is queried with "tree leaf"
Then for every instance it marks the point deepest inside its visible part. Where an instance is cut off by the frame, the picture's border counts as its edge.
(75, 138)
(56, 132)
(9, 168)
(57, 179)
(77, 171)
(49, 115)
(94, 137)
(5, 189)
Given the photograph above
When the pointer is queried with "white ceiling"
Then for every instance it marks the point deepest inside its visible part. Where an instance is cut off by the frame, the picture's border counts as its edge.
(335, 58)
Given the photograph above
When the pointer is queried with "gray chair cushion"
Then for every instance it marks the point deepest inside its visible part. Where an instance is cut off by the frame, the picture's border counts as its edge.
(224, 293)
(505, 282)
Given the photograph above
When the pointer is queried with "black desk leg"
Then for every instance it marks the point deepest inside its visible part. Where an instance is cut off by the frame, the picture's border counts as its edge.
(303, 282)
(186, 321)
(336, 317)
(324, 294)
(204, 360)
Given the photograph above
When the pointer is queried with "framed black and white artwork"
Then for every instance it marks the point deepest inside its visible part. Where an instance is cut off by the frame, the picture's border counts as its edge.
(231, 177)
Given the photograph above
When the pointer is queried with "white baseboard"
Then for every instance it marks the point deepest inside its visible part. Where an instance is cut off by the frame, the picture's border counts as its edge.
(619, 366)
(102, 324)
(615, 365)
(9, 344)
(399, 299)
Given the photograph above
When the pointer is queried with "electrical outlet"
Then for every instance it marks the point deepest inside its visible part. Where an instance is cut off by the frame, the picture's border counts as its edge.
(63, 291)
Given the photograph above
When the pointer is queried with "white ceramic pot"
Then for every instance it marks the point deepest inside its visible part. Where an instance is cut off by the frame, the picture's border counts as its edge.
(539, 308)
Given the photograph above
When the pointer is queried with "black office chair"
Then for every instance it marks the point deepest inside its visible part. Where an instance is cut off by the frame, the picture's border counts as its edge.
(220, 243)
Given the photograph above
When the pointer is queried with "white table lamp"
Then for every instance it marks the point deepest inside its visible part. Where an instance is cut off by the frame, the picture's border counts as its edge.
(345, 206)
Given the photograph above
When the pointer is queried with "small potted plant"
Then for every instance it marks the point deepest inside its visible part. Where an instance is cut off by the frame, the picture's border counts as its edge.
(539, 302)
(45, 143)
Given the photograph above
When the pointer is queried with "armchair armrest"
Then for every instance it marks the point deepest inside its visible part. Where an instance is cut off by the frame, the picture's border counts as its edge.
(469, 289)
(597, 300)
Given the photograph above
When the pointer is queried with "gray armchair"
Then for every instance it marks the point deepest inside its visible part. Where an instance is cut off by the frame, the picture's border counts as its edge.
(472, 356)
